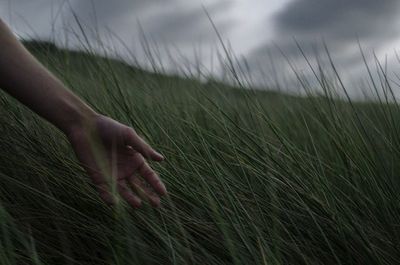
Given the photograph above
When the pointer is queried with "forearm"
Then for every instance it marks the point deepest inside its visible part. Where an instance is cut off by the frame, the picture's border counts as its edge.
(24, 78)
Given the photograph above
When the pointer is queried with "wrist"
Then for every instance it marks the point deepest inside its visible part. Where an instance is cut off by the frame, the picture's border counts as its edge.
(79, 118)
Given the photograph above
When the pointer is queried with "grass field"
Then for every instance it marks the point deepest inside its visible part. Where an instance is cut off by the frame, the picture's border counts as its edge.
(254, 177)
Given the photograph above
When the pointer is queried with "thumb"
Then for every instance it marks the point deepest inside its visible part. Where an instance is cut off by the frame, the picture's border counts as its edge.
(138, 144)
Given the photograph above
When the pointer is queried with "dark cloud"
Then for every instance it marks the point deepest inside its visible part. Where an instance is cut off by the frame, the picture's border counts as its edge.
(340, 20)
(177, 21)
(340, 24)
(190, 24)
(171, 24)
(106, 12)
(165, 20)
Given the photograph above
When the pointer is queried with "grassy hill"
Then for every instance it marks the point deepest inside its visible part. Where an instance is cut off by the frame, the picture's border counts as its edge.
(255, 177)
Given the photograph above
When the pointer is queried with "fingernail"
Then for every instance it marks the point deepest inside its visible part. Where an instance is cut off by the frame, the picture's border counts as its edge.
(156, 203)
(164, 188)
(160, 156)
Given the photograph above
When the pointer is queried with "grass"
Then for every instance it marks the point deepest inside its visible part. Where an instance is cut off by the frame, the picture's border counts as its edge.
(255, 177)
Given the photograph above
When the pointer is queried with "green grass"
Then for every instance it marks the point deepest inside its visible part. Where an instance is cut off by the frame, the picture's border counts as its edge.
(254, 177)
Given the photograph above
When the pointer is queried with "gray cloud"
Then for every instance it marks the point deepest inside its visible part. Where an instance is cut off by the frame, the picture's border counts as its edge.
(175, 21)
(172, 21)
(190, 25)
(340, 20)
(109, 13)
(338, 23)
(177, 24)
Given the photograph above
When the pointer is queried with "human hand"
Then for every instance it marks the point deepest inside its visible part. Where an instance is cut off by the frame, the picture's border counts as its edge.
(112, 152)
(104, 147)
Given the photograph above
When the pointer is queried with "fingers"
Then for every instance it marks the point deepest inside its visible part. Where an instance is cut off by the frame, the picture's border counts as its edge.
(152, 178)
(144, 192)
(101, 186)
(137, 143)
(98, 180)
(84, 152)
(138, 186)
(105, 195)
(127, 194)
(125, 191)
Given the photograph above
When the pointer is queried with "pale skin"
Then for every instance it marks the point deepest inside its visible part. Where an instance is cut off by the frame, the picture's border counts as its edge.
(109, 151)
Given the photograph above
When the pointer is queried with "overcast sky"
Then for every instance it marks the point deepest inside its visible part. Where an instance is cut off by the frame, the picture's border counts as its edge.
(254, 28)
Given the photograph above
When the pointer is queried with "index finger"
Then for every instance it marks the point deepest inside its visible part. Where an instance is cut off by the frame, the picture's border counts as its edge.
(152, 178)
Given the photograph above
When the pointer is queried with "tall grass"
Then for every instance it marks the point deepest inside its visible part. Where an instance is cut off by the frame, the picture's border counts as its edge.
(254, 177)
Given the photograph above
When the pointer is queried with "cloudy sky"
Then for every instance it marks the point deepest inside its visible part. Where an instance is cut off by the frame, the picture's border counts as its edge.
(258, 30)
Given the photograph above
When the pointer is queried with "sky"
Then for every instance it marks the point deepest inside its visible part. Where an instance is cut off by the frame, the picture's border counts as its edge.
(182, 36)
